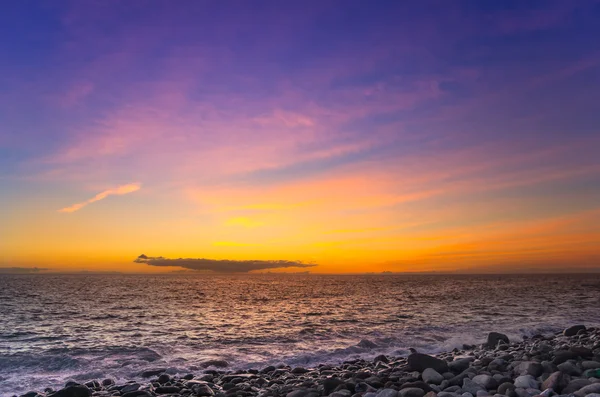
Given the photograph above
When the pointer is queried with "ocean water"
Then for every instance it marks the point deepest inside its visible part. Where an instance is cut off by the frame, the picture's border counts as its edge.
(59, 327)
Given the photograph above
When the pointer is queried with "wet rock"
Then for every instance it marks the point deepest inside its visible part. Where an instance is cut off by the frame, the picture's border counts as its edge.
(487, 381)
(556, 381)
(572, 331)
(381, 358)
(420, 362)
(152, 372)
(73, 391)
(496, 337)
(215, 363)
(167, 390)
(590, 364)
(430, 375)
(299, 370)
(388, 393)
(532, 368)
(506, 387)
(575, 385)
(411, 392)
(526, 382)
(569, 368)
(130, 387)
(594, 388)
(164, 378)
(581, 351)
(471, 386)
(366, 344)
(108, 382)
(137, 393)
(330, 384)
(459, 365)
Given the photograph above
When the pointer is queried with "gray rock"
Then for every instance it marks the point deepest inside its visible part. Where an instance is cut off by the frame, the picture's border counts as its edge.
(152, 372)
(447, 394)
(526, 382)
(495, 337)
(430, 375)
(471, 386)
(73, 391)
(387, 393)
(487, 381)
(452, 389)
(164, 378)
(130, 387)
(482, 393)
(411, 392)
(459, 365)
(466, 394)
(593, 395)
(330, 384)
(532, 368)
(167, 390)
(303, 393)
(299, 370)
(575, 385)
(215, 363)
(569, 368)
(590, 364)
(202, 390)
(556, 381)
(420, 362)
(594, 388)
(572, 331)
(506, 387)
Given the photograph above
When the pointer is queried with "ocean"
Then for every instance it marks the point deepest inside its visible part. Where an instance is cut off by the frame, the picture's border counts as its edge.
(55, 328)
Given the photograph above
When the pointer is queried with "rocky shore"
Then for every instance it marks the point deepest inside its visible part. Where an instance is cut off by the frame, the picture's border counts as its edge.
(566, 364)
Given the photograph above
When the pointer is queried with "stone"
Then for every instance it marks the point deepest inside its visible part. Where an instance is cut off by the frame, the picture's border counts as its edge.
(387, 393)
(215, 363)
(487, 381)
(420, 362)
(447, 394)
(430, 394)
(532, 368)
(330, 384)
(130, 387)
(152, 372)
(569, 368)
(430, 375)
(366, 344)
(471, 386)
(137, 393)
(556, 381)
(108, 382)
(594, 388)
(497, 365)
(560, 356)
(167, 390)
(581, 351)
(572, 331)
(299, 370)
(575, 385)
(459, 365)
(526, 382)
(73, 391)
(411, 392)
(505, 387)
(495, 337)
(590, 364)
(381, 358)
(164, 378)
(482, 393)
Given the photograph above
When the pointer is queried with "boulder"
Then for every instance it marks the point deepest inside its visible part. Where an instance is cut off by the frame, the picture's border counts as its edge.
(569, 368)
(330, 384)
(411, 392)
(73, 391)
(420, 362)
(487, 381)
(471, 386)
(495, 337)
(505, 387)
(430, 375)
(387, 393)
(215, 363)
(572, 331)
(594, 388)
(526, 382)
(532, 368)
(556, 381)
(575, 385)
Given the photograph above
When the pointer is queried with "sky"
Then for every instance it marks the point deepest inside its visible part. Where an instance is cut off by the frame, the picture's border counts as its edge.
(321, 136)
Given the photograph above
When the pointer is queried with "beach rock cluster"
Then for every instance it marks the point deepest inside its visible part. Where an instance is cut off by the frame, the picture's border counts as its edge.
(565, 364)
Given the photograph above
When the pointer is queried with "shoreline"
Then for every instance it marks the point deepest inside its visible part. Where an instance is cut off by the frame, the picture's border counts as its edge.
(563, 364)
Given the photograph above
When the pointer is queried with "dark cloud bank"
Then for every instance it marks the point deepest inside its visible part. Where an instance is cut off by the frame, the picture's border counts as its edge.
(220, 266)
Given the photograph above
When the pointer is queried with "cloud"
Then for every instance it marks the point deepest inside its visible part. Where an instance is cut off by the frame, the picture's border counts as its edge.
(220, 265)
(123, 189)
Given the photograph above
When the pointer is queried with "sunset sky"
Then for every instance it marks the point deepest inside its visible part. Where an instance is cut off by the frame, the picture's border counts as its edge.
(358, 136)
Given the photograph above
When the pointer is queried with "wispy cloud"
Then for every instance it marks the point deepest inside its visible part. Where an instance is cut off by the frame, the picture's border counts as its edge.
(221, 265)
(120, 190)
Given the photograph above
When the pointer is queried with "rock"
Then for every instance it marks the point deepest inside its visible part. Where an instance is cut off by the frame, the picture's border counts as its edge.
(108, 382)
(381, 358)
(411, 392)
(471, 386)
(164, 378)
(420, 362)
(575, 385)
(487, 381)
(430, 394)
(526, 382)
(560, 356)
(506, 387)
(152, 372)
(299, 370)
(569, 368)
(532, 368)
(447, 394)
(482, 393)
(137, 393)
(366, 344)
(592, 373)
(73, 391)
(495, 337)
(581, 351)
(556, 381)
(130, 387)
(572, 331)
(466, 394)
(303, 393)
(215, 363)
(430, 375)
(590, 364)
(497, 365)
(388, 393)
(167, 390)
(593, 395)
(270, 368)
(330, 384)
(459, 365)
(594, 388)
(200, 389)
